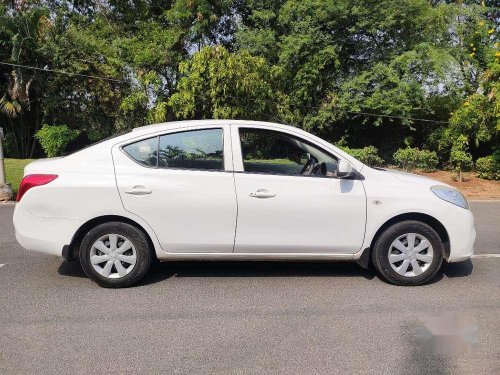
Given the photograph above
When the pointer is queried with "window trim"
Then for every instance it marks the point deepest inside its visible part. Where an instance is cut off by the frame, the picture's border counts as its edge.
(157, 136)
(300, 139)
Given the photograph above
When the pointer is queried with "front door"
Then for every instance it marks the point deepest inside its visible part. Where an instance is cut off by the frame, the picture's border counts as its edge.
(289, 200)
(178, 183)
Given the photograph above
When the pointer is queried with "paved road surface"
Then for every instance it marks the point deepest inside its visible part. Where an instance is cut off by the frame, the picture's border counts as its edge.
(241, 318)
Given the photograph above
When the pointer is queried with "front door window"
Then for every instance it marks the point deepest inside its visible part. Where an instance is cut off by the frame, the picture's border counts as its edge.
(267, 151)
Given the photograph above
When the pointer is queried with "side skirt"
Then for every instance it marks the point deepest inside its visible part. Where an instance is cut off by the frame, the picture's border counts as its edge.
(256, 257)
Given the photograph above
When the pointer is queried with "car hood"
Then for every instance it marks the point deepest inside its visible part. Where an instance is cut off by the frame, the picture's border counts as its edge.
(414, 178)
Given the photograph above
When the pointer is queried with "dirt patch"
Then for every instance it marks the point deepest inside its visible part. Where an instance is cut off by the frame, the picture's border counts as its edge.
(473, 187)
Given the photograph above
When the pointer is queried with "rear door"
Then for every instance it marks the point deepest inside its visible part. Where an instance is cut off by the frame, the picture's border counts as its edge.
(181, 184)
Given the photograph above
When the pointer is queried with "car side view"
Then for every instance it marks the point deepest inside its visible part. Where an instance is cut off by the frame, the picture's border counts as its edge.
(236, 190)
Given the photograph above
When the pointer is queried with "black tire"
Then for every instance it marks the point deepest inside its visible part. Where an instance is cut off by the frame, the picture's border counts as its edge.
(144, 256)
(380, 253)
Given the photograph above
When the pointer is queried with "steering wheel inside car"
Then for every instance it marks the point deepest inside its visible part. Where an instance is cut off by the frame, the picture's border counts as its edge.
(319, 169)
(307, 165)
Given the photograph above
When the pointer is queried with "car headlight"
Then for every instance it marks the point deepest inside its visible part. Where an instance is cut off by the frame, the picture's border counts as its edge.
(450, 195)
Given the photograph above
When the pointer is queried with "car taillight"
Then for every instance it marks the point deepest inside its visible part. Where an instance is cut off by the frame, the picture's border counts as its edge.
(33, 180)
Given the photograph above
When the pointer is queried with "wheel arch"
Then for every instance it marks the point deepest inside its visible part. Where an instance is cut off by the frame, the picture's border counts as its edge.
(418, 216)
(70, 252)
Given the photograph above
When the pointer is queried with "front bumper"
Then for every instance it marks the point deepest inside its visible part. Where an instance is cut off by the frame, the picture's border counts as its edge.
(462, 234)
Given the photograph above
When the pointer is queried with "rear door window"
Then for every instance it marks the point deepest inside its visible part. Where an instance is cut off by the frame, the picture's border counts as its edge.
(196, 149)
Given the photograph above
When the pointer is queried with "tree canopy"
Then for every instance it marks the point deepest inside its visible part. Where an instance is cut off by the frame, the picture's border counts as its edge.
(387, 73)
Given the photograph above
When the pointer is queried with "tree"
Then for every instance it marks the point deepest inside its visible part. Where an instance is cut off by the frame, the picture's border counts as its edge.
(220, 84)
(23, 33)
(460, 158)
(478, 118)
(356, 70)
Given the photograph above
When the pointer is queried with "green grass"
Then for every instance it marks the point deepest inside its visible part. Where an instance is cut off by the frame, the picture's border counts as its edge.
(14, 169)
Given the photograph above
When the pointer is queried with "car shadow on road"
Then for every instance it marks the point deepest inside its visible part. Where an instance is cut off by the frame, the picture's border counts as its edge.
(162, 271)
(72, 269)
(460, 269)
(258, 269)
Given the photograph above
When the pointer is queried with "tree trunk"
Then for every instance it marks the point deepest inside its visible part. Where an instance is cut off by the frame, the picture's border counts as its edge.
(37, 126)
(21, 133)
(14, 136)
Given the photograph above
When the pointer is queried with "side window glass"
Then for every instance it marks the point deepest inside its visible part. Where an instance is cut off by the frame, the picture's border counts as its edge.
(267, 151)
(144, 152)
(197, 149)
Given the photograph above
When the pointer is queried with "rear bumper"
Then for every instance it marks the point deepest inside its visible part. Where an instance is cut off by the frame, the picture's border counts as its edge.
(43, 234)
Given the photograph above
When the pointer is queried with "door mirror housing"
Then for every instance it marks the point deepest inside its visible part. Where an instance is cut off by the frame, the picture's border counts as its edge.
(344, 169)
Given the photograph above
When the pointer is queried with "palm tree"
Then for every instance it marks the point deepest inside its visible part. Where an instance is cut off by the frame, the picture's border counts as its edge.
(15, 99)
(26, 31)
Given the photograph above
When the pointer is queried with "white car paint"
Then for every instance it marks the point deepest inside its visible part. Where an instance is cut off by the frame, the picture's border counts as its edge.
(193, 214)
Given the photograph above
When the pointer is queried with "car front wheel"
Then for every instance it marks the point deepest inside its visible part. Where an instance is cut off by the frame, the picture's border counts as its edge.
(408, 253)
(115, 255)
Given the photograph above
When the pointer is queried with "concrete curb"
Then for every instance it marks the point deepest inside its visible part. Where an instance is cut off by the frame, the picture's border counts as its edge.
(484, 200)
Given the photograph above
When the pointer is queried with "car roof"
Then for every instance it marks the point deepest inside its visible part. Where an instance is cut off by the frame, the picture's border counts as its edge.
(190, 123)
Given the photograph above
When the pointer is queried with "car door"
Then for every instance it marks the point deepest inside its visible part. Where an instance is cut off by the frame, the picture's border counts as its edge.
(177, 182)
(282, 210)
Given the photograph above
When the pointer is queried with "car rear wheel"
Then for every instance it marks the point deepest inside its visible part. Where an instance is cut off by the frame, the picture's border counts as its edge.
(115, 255)
(408, 253)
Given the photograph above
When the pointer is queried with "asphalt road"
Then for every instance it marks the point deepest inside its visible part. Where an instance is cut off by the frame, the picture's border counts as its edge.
(242, 318)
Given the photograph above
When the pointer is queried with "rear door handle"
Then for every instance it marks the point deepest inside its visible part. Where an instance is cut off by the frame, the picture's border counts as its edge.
(262, 193)
(138, 190)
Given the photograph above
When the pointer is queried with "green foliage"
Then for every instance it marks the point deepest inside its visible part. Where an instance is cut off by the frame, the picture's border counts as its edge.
(460, 158)
(488, 167)
(406, 158)
(363, 70)
(220, 84)
(367, 155)
(55, 139)
(478, 118)
(411, 158)
(427, 160)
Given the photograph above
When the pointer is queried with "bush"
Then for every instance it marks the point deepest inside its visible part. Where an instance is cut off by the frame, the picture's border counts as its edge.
(460, 158)
(427, 160)
(55, 139)
(488, 167)
(409, 158)
(367, 155)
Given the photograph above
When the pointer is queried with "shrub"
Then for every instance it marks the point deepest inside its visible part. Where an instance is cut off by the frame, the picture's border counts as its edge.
(411, 158)
(367, 155)
(488, 167)
(55, 139)
(406, 158)
(427, 160)
(460, 158)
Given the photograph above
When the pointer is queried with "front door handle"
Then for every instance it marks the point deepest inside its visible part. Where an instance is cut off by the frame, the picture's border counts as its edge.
(262, 193)
(138, 190)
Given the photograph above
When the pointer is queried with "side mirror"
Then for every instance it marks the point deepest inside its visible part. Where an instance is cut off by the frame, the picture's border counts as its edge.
(344, 169)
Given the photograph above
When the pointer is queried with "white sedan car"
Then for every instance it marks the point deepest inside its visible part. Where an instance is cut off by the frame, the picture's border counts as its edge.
(236, 190)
